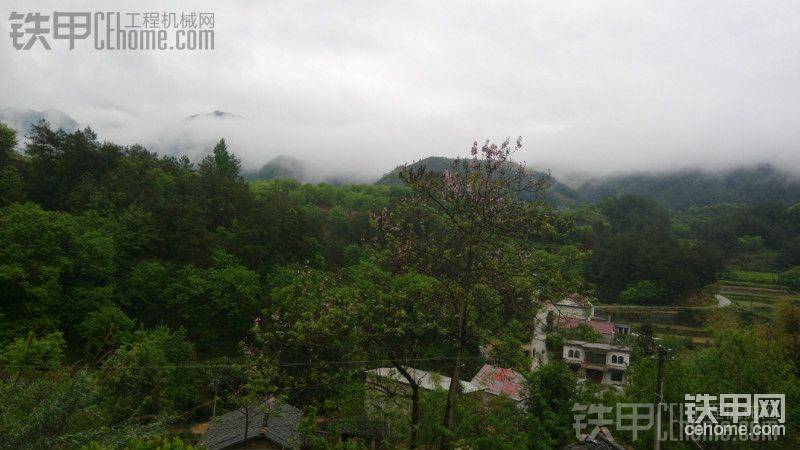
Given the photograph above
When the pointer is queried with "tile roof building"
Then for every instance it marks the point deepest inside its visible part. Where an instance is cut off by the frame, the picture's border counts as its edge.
(267, 425)
(429, 381)
(606, 329)
(496, 381)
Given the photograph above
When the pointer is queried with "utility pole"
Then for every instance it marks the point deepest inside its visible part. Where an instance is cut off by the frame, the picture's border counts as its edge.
(214, 408)
(659, 397)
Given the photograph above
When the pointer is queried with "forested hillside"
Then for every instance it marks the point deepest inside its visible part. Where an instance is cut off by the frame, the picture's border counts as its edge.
(141, 293)
(556, 194)
(747, 185)
(136, 268)
(281, 167)
(755, 185)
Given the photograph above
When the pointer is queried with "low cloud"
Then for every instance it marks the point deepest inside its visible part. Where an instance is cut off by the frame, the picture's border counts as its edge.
(359, 87)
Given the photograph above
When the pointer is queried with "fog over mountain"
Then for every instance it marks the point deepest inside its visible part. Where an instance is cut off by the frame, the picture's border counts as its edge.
(592, 87)
(215, 115)
(22, 119)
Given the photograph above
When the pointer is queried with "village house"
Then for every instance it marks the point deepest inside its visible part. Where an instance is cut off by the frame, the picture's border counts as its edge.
(498, 381)
(605, 329)
(599, 362)
(388, 391)
(622, 329)
(575, 305)
(275, 425)
(264, 426)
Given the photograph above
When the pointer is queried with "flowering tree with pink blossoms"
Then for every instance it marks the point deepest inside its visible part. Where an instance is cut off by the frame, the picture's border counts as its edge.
(469, 227)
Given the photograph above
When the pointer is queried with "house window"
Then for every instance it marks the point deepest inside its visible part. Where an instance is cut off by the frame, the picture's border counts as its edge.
(616, 375)
(617, 359)
(597, 358)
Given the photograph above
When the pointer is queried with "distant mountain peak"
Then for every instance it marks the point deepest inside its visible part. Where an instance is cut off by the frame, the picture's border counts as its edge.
(22, 119)
(216, 114)
(282, 166)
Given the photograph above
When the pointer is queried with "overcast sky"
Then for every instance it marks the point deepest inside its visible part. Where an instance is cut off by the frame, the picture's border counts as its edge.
(592, 86)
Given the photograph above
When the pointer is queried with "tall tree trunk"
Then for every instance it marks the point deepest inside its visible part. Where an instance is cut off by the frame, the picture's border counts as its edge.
(455, 378)
(415, 416)
(415, 406)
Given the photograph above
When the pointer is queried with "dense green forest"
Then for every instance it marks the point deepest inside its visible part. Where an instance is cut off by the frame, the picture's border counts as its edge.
(140, 293)
(556, 194)
(679, 189)
(756, 185)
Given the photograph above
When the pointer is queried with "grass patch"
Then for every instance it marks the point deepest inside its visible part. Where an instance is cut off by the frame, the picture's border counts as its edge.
(750, 284)
(760, 299)
(751, 276)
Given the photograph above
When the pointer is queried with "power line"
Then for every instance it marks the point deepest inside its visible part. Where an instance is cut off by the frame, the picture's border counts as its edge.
(291, 364)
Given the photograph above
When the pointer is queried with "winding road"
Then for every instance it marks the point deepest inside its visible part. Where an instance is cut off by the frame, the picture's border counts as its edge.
(722, 301)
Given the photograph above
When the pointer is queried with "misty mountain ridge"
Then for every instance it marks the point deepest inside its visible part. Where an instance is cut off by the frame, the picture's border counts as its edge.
(557, 193)
(22, 119)
(756, 184)
(290, 167)
(751, 184)
(281, 167)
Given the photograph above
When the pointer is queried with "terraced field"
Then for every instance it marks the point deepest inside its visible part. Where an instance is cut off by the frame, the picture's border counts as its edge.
(755, 294)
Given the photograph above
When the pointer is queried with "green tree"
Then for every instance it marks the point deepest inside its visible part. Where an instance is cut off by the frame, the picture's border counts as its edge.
(8, 141)
(635, 243)
(223, 187)
(301, 337)
(149, 376)
(52, 268)
(11, 183)
(12, 186)
(104, 329)
(50, 412)
(461, 227)
(395, 320)
(32, 355)
(551, 394)
(791, 278)
(788, 321)
(643, 292)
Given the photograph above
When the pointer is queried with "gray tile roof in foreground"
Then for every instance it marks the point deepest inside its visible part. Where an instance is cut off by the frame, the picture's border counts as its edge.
(271, 419)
